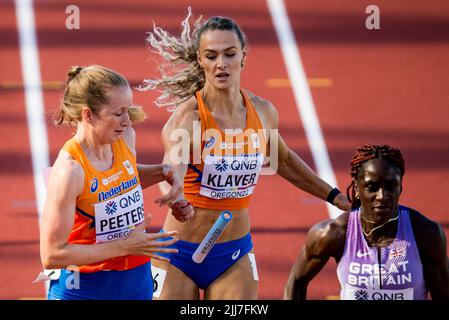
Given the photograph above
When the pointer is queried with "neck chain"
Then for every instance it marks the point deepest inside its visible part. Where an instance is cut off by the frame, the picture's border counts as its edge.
(378, 227)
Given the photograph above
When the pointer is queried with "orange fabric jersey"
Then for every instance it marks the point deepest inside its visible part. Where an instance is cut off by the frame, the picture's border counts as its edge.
(110, 206)
(227, 172)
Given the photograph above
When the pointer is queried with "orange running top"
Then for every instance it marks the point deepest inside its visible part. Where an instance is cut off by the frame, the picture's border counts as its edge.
(225, 175)
(110, 206)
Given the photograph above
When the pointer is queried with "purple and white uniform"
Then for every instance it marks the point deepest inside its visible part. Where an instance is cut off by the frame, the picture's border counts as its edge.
(394, 272)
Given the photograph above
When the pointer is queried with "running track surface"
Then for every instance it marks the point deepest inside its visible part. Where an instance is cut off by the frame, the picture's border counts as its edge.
(386, 86)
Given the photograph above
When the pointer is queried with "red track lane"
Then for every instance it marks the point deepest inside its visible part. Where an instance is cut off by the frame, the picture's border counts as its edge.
(379, 82)
(389, 87)
(19, 234)
(120, 45)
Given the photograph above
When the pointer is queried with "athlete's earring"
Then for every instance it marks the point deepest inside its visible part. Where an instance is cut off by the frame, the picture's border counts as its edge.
(357, 196)
(242, 64)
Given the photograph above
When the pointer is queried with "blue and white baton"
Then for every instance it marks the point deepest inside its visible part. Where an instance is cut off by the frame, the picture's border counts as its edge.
(212, 236)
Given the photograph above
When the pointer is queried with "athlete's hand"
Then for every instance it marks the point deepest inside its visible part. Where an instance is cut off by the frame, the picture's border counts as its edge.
(182, 210)
(342, 202)
(176, 186)
(141, 243)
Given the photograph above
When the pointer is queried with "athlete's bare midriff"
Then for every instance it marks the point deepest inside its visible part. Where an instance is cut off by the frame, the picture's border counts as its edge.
(196, 228)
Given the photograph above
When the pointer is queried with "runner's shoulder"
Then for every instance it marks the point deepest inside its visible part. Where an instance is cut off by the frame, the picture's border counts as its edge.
(65, 167)
(264, 107)
(425, 230)
(327, 238)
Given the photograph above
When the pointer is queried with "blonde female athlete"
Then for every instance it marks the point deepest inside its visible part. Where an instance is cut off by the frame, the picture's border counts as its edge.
(94, 221)
(207, 94)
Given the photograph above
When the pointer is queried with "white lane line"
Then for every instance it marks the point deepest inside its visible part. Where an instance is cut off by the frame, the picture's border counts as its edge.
(34, 101)
(33, 97)
(303, 97)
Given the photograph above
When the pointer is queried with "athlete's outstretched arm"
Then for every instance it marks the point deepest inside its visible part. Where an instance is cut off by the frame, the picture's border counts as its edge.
(292, 168)
(150, 174)
(177, 136)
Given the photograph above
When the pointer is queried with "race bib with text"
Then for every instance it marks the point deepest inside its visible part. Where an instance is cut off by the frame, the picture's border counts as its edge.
(227, 177)
(116, 217)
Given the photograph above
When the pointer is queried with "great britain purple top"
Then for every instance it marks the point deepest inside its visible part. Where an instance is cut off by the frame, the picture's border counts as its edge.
(394, 272)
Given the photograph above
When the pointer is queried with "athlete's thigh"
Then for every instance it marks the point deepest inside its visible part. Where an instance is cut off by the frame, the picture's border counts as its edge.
(239, 282)
(170, 283)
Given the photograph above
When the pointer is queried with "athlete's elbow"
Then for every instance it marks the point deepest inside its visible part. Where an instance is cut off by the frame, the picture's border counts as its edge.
(52, 259)
(284, 163)
(282, 168)
(49, 261)
(300, 289)
(295, 290)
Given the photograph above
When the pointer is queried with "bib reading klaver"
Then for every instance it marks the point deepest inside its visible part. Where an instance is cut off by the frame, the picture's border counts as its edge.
(230, 176)
(231, 161)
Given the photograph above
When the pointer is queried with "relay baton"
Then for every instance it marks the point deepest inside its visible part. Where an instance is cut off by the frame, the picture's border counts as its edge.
(211, 237)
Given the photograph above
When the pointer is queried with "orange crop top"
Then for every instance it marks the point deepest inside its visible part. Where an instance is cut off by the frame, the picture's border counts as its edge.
(230, 162)
(110, 206)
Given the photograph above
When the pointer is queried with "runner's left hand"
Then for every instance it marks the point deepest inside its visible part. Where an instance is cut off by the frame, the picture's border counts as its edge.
(182, 210)
(176, 186)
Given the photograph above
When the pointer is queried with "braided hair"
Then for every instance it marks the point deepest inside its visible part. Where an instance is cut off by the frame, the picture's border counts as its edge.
(369, 152)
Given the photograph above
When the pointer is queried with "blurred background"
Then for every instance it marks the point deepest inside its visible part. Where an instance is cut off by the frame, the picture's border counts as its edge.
(380, 86)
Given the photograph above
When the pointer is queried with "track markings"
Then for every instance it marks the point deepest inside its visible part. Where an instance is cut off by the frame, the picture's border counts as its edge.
(303, 97)
(313, 83)
(18, 85)
(29, 58)
(37, 130)
(272, 83)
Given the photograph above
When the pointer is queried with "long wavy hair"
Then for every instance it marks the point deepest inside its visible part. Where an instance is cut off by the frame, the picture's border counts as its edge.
(181, 74)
